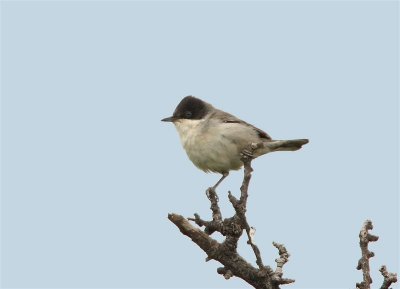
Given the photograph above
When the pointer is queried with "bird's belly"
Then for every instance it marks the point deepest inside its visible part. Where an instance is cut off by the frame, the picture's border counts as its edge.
(213, 154)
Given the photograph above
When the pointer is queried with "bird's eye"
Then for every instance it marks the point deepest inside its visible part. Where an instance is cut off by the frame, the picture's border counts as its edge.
(188, 114)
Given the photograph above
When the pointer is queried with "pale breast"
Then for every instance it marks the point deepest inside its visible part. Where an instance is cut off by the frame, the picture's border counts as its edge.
(214, 146)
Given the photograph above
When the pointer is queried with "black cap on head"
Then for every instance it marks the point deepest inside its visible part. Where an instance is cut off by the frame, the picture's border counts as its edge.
(190, 107)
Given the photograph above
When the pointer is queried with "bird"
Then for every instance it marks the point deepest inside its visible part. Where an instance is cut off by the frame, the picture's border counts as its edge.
(215, 140)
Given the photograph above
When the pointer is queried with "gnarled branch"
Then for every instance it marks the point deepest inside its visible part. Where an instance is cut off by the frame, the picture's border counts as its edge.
(363, 263)
(232, 228)
(388, 278)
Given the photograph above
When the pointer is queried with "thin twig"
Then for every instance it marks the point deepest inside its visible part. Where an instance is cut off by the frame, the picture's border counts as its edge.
(216, 211)
(280, 262)
(388, 278)
(240, 207)
(363, 263)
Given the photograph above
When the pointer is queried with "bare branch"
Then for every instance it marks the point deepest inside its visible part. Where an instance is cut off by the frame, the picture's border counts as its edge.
(240, 208)
(204, 241)
(232, 261)
(232, 228)
(388, 278)
(216, 211)
(282, 260)
(363, 263)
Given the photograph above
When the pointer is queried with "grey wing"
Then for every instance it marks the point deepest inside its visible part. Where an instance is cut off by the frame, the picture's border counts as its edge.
(229, 118)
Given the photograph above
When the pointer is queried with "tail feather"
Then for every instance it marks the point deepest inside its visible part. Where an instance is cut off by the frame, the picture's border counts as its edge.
(281, 145)
(289, 145)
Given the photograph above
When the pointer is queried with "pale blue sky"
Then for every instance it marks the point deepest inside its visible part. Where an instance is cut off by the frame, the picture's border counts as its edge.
(89, 173)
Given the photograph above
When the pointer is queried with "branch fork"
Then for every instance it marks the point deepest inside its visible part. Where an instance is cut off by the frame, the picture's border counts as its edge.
(232, 228)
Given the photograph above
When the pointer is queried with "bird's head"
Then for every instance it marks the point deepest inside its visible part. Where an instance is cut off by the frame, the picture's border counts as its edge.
(190, 107)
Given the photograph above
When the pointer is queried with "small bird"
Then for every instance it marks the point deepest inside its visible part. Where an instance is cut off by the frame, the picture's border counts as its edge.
(214, 140)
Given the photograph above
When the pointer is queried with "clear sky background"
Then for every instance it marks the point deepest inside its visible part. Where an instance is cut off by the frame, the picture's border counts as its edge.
(89, 173)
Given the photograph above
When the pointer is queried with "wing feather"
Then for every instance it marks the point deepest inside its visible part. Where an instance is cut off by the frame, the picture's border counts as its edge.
(229, 118)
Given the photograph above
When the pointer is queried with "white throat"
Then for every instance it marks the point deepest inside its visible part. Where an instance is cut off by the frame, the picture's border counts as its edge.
(188, 129)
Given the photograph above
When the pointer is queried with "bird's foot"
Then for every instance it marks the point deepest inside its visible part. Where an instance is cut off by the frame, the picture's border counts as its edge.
(247, 153)
(211, 194)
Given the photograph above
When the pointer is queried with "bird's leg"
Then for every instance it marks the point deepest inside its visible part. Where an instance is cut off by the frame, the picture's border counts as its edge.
(224, 175)
(212, 189)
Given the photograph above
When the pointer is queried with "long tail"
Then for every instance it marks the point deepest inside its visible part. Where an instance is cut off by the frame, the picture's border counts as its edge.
(280, 145)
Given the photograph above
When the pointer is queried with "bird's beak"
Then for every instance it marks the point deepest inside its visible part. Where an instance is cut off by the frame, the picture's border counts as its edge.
(169, 119)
